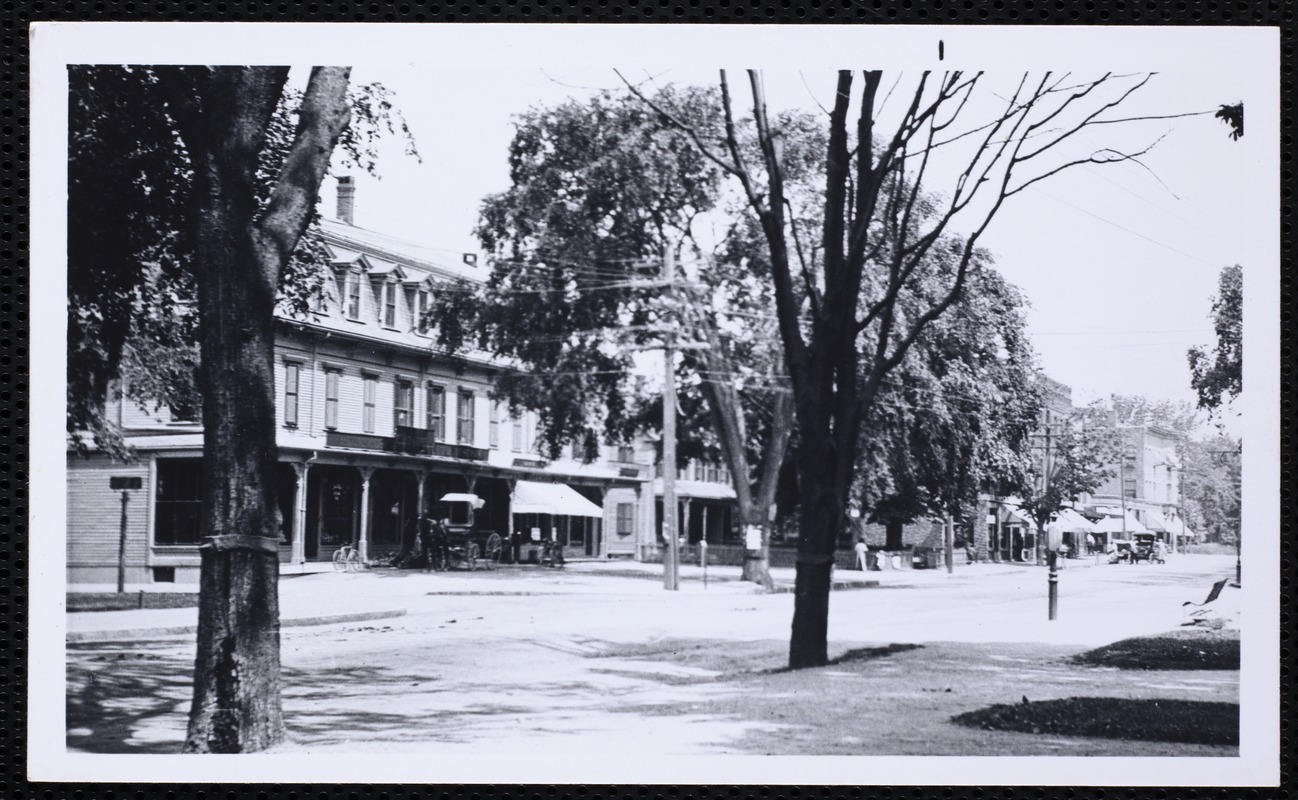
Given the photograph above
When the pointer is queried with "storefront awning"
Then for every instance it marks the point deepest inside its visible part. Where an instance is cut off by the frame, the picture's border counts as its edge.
(530, 497)
(1018, 516)
(1155, 521)
(1073, 522)
(1110, 524)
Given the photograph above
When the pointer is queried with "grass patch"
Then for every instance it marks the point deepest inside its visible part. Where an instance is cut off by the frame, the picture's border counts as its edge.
(1189, 649)
(1187, 721)
(111, 601)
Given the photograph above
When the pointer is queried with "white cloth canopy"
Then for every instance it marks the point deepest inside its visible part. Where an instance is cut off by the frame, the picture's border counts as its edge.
(459, 497)
(1155, 521)
(530, 497)
(1074, 522)
(1114, 524)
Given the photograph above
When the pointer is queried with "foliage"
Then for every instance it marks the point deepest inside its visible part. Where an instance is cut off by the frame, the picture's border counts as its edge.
(599, 191)
(131, 289)
(1211, 487)
(1218, 377)
(956, 417)
(1232, 115)
(1083, 452)
(1178, 416)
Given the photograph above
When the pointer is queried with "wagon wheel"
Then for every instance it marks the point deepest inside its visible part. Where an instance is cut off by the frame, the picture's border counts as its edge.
(340, 560)
(493, 548)
(471, 556)
(353, 561)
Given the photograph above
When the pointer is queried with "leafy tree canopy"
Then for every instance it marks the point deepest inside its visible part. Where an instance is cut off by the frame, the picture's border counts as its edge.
(1218, 376)
(131, 289)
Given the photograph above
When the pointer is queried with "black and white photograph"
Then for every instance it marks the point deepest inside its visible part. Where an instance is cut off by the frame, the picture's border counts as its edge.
(655, 403)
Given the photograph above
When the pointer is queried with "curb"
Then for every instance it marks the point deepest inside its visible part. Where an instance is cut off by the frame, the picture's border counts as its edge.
(132, 634)
(836, 586)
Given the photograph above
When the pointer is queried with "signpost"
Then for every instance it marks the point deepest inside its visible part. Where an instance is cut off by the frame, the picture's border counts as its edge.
(123, 484)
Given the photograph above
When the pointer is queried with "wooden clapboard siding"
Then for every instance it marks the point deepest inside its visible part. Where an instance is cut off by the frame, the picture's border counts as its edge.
(613, 543)
(95, 511)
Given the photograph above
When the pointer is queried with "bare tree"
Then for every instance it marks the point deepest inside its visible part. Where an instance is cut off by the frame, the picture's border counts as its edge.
(241, 246)
(877, 218)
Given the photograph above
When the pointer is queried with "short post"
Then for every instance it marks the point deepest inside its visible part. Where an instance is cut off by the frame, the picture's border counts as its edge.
(123, 484)
(121, 546)
(1053, 582)
(703, 560)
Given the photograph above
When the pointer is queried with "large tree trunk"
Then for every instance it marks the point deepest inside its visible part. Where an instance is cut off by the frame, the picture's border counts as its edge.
(237, 691)
(241, 248)
(820, 518)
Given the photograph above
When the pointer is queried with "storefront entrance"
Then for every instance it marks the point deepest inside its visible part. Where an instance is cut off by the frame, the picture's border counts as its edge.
(333, 507)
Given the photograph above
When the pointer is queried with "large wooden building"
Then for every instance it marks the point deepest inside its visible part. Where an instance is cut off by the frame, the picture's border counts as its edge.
(375, 424)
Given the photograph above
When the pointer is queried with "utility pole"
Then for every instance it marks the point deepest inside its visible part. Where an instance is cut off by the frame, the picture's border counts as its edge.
(948, 531)
(671, 577)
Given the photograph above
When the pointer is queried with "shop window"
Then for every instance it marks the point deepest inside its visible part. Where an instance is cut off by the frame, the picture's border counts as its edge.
(625, 519)
(290, 394)
(404, 403)
(369, 393)
(464, 414)
(435, 413)
(178, 501)
(332, 377)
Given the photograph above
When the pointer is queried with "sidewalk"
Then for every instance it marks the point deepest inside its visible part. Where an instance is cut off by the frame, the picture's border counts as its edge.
(310, 595)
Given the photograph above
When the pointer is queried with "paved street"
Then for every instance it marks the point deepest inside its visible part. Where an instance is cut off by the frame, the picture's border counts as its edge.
(581, 660)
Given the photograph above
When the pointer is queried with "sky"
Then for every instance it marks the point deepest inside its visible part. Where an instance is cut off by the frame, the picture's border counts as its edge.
(1119, 263)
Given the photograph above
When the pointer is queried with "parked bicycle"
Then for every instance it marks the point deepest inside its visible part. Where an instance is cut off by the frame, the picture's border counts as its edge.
(347, 559)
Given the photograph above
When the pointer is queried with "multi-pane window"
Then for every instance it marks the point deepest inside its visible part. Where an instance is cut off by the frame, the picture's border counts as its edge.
(290, 394)
(626, 453)
(403, 404)
(464, 431)
(435, 412)
(353, 295)
(517, 443)
(493, 428)
(390, 304)
(625, 519)
(178, 501)
(332, 377)
(422, 302)
(369, 392)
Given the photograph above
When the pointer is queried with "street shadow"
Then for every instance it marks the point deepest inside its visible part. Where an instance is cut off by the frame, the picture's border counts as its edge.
(127, 699)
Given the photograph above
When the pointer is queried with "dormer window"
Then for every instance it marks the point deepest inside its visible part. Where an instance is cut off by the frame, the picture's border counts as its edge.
(353, 294)
(423, 301)
(390, 304)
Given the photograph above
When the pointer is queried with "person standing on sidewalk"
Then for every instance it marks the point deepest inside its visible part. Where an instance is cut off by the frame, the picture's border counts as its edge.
(861, 550)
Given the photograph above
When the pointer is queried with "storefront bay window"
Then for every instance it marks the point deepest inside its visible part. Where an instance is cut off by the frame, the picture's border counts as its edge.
(178, 501)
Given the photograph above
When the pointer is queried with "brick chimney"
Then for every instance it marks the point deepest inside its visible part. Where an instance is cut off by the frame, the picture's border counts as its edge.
(346, 199)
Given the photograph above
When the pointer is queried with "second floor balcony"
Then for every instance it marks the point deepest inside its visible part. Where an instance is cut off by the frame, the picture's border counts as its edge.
(407, 441)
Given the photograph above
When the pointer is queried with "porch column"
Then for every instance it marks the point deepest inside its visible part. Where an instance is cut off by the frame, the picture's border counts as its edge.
(301, 471)
(705, 524)
(421, 475)
(363, 546)
(685, 526)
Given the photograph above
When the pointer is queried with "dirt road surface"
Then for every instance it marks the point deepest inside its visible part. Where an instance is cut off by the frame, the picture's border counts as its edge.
(533, 660)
